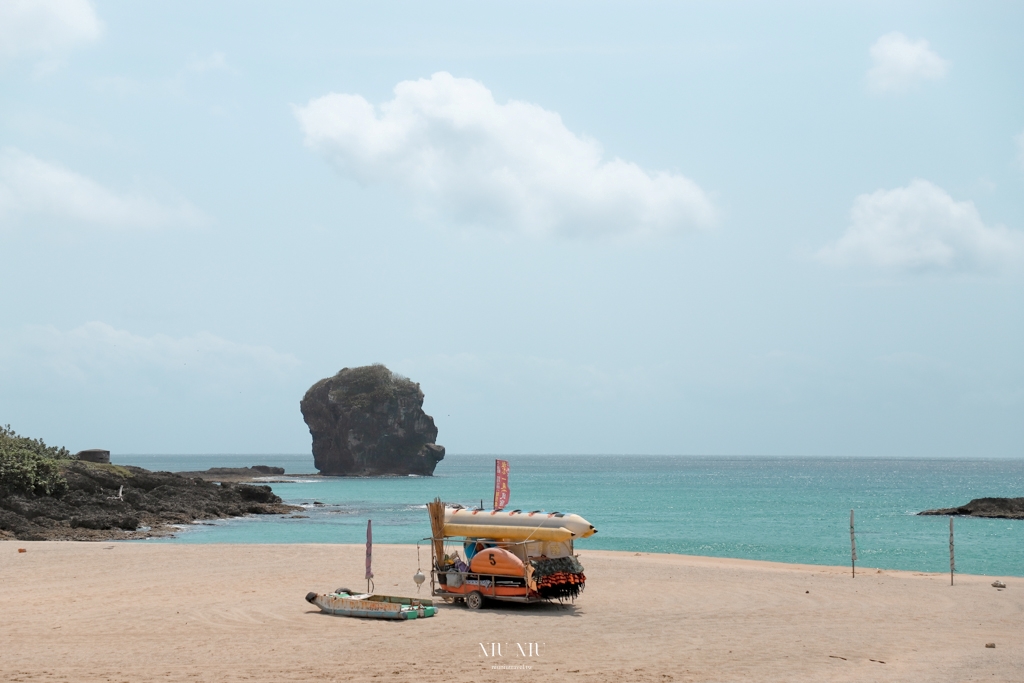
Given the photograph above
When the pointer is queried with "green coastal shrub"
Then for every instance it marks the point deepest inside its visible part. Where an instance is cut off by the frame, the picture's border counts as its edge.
(30, 466)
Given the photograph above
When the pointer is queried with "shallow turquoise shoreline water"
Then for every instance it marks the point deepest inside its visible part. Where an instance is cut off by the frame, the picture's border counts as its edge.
(779, 509)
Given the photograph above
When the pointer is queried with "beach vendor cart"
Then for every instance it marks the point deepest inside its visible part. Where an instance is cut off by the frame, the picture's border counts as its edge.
(506, 555)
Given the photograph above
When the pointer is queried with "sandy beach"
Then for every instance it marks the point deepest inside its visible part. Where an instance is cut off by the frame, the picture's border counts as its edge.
(143, 612)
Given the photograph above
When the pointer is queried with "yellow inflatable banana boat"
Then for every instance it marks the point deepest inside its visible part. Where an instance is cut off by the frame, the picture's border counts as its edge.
(516, 525)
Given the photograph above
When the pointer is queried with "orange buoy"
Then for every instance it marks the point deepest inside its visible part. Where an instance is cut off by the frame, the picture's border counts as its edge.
(496, 561)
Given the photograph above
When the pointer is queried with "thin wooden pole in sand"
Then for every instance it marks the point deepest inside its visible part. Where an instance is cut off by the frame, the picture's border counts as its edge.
(952, 562)
(369, 554)
(853, 549)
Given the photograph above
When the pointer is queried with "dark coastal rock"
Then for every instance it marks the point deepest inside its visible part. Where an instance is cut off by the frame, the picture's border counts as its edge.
(368, 421)
(1001, 508)
(93, 455)
(107, 502)
(235, 474)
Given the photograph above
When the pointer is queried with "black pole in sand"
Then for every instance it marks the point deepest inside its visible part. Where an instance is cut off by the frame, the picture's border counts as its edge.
(952, 562)
(853, 550)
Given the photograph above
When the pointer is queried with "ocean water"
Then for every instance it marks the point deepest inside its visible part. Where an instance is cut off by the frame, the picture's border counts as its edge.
(762, 508)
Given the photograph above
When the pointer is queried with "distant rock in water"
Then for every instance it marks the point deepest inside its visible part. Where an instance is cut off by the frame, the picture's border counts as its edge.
(369, 421)
(235, 474)
(1002, 508)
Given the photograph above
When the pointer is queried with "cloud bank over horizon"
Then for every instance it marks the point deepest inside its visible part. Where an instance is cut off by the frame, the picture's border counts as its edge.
(96, 353)
(43, 26)
(920, 227)
(898, 63)
(30, 186)
(463, 158)
(100, 385)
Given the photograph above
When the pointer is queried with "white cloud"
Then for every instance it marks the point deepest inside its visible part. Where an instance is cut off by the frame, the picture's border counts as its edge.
(551, 377)
(40, 26)
(900, 63)
(99, 353)
(464, 158)
(29, 186)
(920, 227)
(215, 62)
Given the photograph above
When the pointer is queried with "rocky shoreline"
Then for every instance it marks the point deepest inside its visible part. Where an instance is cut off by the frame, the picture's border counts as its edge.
(258, 474)
(116, 502)
(998, 508)
(234, 475)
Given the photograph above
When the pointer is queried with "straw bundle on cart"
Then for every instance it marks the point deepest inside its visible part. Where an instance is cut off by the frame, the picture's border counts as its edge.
(436, 512)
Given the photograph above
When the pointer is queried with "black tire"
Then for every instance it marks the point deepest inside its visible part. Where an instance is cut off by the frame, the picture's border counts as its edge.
(475, 600)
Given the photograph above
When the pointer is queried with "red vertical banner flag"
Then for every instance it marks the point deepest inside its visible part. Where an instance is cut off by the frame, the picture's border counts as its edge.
(501, 491)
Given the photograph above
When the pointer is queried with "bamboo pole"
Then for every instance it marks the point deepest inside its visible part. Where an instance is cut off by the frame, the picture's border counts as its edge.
(435, 510)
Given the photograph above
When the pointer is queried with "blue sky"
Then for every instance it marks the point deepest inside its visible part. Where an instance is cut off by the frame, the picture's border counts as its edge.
(661, 228)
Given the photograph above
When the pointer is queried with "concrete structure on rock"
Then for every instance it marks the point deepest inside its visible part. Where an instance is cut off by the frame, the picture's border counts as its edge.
(94, 455)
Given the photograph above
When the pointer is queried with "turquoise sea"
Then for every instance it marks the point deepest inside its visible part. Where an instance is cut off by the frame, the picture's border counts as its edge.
(763, 508)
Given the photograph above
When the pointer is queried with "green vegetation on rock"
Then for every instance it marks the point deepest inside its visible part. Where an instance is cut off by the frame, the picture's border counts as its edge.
(372, 384)
(29, 466)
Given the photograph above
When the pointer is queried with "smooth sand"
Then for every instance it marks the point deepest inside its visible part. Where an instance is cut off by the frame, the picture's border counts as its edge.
(143, 612)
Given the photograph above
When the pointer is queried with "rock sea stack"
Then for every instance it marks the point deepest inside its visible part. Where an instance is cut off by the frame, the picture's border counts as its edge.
(369, 421)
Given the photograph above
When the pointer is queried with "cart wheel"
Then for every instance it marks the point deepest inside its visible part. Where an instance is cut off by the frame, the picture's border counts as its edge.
(474, 600)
